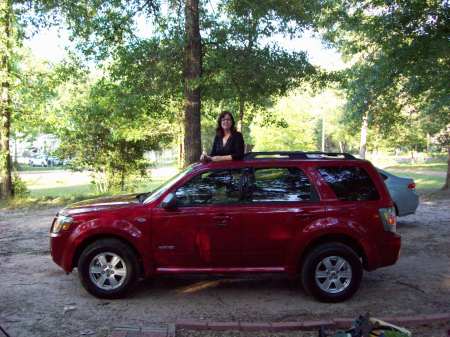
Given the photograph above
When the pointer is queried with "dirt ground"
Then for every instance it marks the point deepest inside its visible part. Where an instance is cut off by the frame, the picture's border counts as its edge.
(38, 299)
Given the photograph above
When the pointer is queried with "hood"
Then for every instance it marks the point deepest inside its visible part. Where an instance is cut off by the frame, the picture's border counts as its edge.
(100, 204)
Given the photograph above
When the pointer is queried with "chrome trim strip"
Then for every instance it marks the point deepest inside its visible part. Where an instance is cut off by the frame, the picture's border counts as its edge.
(222, 270)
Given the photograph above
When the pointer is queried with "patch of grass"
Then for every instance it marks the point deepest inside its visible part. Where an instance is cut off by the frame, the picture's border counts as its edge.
(63, 191)
(27, 168)
(65, 195)
(87, 190)
(38, 202)
(150, 186)
(429, 177)
(425, 183)
(437, 167)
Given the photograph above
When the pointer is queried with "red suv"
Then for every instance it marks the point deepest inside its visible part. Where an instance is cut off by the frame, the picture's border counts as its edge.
(322, 216)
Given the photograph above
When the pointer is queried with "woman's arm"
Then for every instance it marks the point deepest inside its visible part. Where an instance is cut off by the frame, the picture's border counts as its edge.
(204, 157)
(222, 158)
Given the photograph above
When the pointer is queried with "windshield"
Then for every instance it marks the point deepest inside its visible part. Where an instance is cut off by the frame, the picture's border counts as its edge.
(164, 187)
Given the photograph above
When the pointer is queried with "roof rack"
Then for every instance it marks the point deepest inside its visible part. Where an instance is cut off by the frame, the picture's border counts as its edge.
(298, 155)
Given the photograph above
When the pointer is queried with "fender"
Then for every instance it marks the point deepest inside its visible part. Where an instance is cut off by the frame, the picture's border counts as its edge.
(108, 226)
(330, 229)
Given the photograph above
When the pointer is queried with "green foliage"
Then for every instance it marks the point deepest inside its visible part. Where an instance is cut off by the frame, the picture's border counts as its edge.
(288, 12)
(401, 59)
(243, 72)
(34, 88)
(296, 123)
(97, 26)
(19, 187)
(151, 70)
(105, 131)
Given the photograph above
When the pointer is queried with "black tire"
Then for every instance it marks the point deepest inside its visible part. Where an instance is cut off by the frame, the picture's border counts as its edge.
(126, 268)
(341, 284)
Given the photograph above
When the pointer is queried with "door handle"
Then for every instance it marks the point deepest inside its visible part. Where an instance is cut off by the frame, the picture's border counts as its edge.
(304, 217)
(222, 220)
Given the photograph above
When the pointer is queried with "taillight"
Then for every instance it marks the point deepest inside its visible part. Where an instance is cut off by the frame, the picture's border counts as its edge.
(389, 219)
(412, 186)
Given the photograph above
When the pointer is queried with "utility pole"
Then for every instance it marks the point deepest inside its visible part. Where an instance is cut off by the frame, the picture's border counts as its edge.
(363, 141)
(323, 131)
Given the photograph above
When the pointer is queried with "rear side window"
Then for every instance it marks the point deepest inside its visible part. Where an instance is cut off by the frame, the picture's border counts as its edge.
(279, 185)
(350, 183)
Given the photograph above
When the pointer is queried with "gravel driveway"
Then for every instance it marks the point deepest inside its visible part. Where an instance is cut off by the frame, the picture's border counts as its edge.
(38, 299)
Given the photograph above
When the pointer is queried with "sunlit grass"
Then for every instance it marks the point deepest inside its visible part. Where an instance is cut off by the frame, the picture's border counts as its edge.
(65, 195)
(62, 191)
(428, 177)
(438, 167)
(28, 168)
(60, 187)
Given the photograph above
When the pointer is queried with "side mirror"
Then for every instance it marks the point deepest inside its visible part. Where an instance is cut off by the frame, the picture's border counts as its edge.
(169, 202)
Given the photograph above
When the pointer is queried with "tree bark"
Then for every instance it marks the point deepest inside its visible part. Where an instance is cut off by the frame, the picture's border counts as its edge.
(241, 115)
(447, 179)
(192, 74)
(6, 188)
(363, 142)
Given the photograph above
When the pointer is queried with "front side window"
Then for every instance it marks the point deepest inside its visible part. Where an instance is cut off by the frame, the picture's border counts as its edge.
(350, 183)
(279, 185)
(152, 196)
(211, 188)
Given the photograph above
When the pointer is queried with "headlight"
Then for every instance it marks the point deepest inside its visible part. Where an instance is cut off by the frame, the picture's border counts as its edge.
(61, 222)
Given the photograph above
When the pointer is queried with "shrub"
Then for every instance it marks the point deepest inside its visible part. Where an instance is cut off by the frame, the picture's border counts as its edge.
(19, 187)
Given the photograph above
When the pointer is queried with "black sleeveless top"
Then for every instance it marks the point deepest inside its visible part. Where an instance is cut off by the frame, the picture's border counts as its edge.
(234, 146)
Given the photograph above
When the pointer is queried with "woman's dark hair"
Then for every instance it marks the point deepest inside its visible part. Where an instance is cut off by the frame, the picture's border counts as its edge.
(219, 130)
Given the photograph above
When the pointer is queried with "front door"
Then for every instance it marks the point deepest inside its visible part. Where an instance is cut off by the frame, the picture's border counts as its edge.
(203, 230)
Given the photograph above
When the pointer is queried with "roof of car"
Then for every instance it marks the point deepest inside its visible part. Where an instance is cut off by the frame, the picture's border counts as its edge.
(298, 155)
(284, 157)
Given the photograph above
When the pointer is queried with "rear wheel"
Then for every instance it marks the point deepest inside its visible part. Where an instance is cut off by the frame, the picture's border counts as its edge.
(331, 272)
(107, 268)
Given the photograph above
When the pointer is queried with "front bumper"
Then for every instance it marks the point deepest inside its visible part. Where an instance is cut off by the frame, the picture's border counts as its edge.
(59, 252)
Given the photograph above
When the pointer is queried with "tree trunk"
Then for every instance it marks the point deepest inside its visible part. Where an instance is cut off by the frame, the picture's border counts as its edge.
(192, 73)
(241, 115)
(180, 139)
(6, 188)
(122, 180)
(447, 179)
(363, 142)
(15, 161)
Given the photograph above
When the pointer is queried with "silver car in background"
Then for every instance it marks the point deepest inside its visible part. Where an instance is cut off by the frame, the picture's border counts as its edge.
(402, 191)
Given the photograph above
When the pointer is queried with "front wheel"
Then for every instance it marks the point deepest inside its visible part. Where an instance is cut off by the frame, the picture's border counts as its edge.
(107, 268)
(331, 272)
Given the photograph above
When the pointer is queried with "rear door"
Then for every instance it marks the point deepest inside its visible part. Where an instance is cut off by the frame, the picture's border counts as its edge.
(280, 201)
(359, 194)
